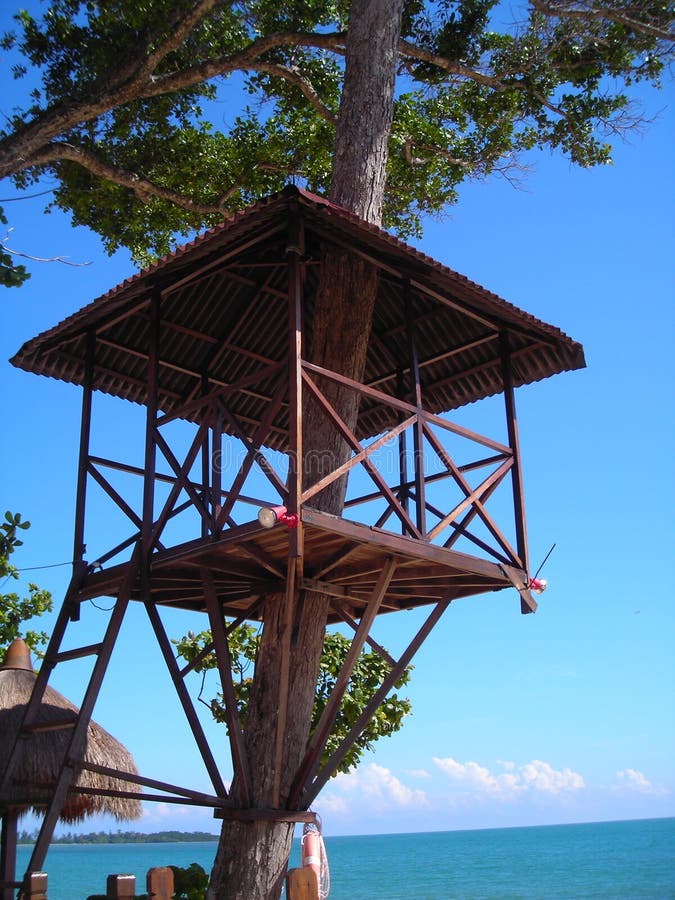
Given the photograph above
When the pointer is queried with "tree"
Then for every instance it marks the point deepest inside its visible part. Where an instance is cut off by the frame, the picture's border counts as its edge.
(14, 609)
(368, 674)
(385, 106)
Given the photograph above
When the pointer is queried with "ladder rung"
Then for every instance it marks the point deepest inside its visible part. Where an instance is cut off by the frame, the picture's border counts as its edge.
(56, 725)
(77, 653)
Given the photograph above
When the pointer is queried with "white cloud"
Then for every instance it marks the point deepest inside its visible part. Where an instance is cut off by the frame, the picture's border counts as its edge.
(418, 773)
(535, 776)
(377, 785)
(543, 777)
(635, 781)
(332, 805)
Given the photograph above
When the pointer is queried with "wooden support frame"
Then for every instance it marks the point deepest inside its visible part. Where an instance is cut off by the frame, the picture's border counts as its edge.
(399, 550)
(405, 499)
(75, 749)
(309, 790)
(221, 648)
(311, 760)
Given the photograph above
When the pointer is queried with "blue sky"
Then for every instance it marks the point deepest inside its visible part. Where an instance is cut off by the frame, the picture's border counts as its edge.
(563, 716)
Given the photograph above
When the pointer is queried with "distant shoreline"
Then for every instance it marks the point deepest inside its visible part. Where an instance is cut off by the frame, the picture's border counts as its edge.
(124, 837)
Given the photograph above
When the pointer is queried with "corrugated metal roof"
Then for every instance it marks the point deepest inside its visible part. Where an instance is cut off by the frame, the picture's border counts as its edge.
(224, 317)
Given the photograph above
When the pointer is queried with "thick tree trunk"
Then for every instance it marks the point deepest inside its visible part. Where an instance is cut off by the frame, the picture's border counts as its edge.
(251, 859)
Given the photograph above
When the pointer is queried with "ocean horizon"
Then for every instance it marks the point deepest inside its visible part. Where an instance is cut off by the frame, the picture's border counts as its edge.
(633, 859)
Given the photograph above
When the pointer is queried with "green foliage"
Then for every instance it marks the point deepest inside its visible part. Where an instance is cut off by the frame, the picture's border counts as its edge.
(237, 120)
(14, 609)
(368, 673)
(189, 883)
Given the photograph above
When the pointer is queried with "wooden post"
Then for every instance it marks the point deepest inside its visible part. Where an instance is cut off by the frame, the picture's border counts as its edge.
(8, 852)
(159, 883)
(37, 887)
(83, 458)
(302, 884)
(120, 887)
(516, 473)
(294, 252)
(150, 460)
(418, 432)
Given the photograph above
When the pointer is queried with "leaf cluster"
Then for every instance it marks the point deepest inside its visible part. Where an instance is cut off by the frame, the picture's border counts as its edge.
(14, 610)
(171, 134)
(189, 882)
(367, 676)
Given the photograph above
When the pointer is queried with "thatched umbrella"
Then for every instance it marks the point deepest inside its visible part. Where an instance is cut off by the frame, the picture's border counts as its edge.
(42, 755)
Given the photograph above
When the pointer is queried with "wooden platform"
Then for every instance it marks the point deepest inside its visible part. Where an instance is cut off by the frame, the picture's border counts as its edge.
(341, 558)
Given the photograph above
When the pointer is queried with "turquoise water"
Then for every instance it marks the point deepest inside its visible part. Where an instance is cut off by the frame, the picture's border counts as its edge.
(631, 860)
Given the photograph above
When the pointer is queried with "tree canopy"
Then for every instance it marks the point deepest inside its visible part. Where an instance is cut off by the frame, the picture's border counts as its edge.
(158, 118)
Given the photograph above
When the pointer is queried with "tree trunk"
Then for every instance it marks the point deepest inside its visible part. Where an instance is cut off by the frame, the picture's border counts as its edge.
(251, 859)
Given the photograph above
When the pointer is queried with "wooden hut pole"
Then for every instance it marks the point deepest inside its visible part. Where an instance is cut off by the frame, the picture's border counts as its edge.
(10, 818)
(79, 547)
(418, 432)
(516, 473)
(206, 470)
(149, 464)
(295, 249)
(403, 486)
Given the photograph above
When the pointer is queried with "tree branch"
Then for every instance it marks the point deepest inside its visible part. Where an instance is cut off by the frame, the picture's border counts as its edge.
(143, 188)
(412, 51)
(18, 149)
(293, 76)
(179, 28)
(621, 17)
(435, 151)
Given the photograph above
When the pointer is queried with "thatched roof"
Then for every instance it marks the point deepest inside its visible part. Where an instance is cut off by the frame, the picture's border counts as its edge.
(43, 752)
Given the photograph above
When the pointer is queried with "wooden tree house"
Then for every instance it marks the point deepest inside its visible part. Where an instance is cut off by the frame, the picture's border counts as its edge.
(215, 336)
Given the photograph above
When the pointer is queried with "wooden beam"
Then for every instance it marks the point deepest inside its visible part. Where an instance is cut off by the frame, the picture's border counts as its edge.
(471, 499)
(79, 544)
(178, 678)
(205, 400)
(333, 762)
(319, 735)
(351, 439)
(287, 615)
(400, 545)
(395, 403)
(240, 764)
(264, 465)
(514, 443)
(231, 496)
(477, 505)
(133, 778)
(359, 457)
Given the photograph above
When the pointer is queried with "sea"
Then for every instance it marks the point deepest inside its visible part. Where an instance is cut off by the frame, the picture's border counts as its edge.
(634, 860)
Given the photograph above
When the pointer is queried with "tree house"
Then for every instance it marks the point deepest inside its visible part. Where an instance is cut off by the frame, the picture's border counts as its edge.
(217, 336)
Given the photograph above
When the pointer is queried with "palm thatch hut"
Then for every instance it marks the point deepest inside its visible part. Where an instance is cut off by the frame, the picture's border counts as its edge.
(42, 756)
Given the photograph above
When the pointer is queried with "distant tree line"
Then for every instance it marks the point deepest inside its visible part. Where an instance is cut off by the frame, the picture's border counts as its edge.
(121, 837)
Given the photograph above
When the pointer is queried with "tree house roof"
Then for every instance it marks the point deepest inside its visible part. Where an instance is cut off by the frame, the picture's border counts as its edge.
(224, 316)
